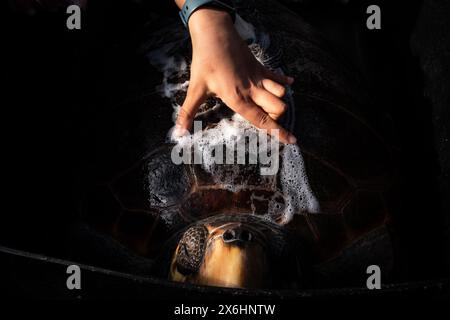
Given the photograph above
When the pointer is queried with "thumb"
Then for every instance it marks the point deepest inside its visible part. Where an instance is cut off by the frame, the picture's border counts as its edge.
(194, 98)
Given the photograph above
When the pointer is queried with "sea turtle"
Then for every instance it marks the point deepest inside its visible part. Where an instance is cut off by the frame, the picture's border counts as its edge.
(324, 211)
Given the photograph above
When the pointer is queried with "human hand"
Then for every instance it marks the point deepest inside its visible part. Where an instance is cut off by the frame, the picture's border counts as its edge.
(223, 66)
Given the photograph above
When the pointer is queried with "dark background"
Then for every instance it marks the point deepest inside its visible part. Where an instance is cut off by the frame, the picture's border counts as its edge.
(56, 83)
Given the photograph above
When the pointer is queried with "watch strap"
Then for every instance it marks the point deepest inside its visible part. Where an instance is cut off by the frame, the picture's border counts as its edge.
(190, 6)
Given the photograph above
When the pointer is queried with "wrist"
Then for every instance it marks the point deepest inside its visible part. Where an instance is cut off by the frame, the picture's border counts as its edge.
(205, 19)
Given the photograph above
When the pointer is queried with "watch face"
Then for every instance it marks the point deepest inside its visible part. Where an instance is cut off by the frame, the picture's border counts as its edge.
(299, 149)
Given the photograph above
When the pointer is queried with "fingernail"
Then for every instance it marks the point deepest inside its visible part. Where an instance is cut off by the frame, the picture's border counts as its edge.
(292, 139)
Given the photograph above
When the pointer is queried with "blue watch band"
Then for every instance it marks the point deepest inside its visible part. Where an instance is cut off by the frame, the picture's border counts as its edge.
(191, 5)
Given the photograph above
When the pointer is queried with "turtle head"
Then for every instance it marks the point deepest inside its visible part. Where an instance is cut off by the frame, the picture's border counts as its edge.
(241, 251)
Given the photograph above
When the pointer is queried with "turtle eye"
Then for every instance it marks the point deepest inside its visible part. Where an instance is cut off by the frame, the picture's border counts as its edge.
(191, 249)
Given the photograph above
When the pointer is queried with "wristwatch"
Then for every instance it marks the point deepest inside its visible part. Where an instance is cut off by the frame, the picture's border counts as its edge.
(190, 6)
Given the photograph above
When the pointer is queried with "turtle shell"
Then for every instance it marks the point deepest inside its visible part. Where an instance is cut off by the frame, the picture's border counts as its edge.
(144, 197)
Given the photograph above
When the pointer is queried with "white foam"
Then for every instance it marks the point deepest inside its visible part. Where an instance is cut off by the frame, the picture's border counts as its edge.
(222, 148)
(298, 194)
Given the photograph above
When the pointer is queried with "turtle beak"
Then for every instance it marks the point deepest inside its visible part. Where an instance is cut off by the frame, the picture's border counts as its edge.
(232, 259)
